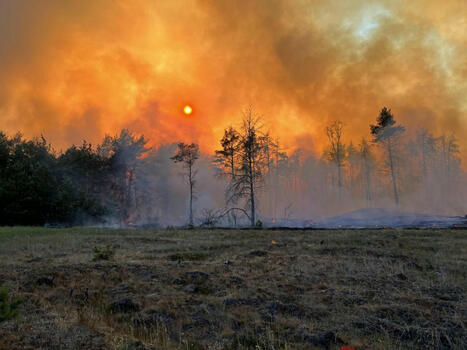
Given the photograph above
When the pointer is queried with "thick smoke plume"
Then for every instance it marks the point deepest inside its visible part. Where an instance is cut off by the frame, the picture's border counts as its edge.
(73, 68)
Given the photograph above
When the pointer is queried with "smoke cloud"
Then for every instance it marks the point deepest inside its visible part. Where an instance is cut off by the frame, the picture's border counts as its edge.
(74, 68)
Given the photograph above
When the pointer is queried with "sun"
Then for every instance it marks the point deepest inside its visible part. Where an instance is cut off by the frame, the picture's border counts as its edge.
(187, 110)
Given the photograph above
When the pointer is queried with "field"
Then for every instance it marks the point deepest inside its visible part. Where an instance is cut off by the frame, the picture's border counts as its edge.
(84, 288)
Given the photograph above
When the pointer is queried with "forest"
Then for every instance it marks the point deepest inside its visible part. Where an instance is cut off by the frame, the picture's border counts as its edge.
(250, 180)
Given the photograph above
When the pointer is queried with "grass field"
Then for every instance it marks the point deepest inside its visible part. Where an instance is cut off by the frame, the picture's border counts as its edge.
(87, 288)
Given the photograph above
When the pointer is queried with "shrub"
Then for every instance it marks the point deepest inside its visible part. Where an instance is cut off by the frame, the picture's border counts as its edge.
(8, 305)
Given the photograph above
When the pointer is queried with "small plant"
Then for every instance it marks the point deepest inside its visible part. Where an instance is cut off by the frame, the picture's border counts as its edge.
(105, 253)
(259, 224)
(8, 305)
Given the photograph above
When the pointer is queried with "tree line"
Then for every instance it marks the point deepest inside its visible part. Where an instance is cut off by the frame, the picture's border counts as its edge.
(249, 180)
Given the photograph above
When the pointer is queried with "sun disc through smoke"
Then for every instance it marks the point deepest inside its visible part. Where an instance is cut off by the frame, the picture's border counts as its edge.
(187, 110)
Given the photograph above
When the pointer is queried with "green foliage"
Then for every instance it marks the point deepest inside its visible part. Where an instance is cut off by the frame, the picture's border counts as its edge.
(385, 126)
(226, 157)
(188, 154)
(259, 224)
(81, 185)
(103, 253)
(8, 305)
(122, 154)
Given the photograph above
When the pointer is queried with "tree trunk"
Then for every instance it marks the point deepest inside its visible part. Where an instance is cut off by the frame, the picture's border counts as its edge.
(191, 196)
(339, 179)
(252, 191)
(129, 186)
(122, 195)
(393, 175)
(232, 167)
(339, 170)
(368, 182)
(252, 200)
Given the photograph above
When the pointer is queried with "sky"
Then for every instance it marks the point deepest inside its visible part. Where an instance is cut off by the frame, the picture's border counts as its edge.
(73, 70)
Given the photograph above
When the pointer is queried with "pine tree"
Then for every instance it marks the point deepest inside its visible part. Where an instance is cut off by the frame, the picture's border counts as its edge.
(188, 154)
(385, 132)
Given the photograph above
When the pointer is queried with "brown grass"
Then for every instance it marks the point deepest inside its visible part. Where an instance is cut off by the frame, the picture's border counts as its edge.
(230, 289)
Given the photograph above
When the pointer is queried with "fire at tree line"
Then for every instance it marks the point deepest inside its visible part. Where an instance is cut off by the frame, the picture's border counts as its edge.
(249, 181)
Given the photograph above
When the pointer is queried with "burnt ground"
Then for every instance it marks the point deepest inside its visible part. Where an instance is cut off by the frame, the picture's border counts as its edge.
(230, 289)
(390, 218)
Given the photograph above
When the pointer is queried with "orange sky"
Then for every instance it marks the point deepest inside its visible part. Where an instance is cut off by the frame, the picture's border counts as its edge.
(79, 69)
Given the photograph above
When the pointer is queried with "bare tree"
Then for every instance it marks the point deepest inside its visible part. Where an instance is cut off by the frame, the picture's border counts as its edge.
(188, 154)
(336, 153)
(385, 132)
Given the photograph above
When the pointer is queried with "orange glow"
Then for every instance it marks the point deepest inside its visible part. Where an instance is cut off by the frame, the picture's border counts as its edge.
(187, 110)
(72, 71)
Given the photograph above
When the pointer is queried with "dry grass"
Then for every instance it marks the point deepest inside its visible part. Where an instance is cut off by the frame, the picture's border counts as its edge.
(230, 289)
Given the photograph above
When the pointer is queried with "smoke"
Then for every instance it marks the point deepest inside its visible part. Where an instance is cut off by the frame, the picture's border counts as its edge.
(73, 68)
